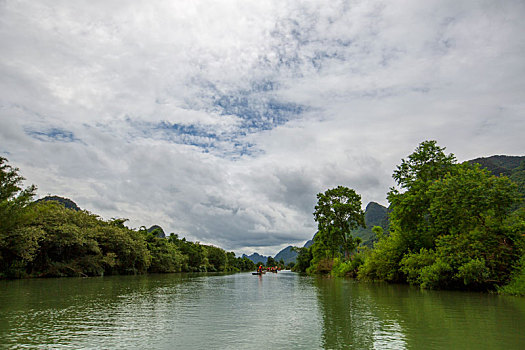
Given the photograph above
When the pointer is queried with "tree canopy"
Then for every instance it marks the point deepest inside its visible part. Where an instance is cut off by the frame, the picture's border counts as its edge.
(338, 212)
(451, 227)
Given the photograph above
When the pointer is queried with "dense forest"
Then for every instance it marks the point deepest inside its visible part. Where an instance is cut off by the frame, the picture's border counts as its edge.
(450, 226)
(53, 237)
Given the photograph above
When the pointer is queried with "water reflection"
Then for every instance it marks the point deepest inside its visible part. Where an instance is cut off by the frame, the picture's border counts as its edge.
(241, 311)
(352, 320)
(237, 311)
(54, 313)
(379, 316)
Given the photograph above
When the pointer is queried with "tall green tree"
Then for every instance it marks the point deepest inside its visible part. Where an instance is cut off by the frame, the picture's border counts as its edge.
(17, 244)
(477, 242)
(338, 212)
(13, 198)
(410, 202)
(410, 211)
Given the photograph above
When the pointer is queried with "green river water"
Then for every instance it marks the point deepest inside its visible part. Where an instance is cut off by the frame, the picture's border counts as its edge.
(241, 311)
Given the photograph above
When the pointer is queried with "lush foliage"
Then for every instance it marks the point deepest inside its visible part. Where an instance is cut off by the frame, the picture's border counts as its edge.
(338, 212)
(304, 257)
(516, 286)
(451, 225)
(511, 166)
(17, 244)
(348, 268)
(45, 238)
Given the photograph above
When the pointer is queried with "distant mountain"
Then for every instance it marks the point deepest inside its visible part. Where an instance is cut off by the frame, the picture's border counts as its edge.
(256, 258)
(309, 243)
(157, 231)
(511, 166)
(287, 255)
(66, 202)
(500, 165)
(375, 215)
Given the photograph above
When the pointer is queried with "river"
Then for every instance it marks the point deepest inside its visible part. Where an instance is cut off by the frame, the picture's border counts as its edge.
(241, 311)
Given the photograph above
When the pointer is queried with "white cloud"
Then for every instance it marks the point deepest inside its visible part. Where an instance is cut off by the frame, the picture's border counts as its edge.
(221, 121)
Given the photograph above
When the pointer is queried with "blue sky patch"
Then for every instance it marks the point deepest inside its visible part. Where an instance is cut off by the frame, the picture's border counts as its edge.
(189, 130)
(257, 108)
(52, 135)
(203, 137)
(257, 112)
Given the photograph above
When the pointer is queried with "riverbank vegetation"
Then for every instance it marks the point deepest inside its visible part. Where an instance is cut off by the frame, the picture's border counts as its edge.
(451, 226)
(46, 239)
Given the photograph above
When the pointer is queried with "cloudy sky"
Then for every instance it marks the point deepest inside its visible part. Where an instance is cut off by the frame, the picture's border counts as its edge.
(221, 120)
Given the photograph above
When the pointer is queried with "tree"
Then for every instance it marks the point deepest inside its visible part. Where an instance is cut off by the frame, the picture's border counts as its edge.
(194, 253)
(216, 258)
(469, 197)
(13, 198)
(428, 162)
(304, 257)
(17, 244)
(410, 209)
(165, 256)
(450, 228)
(378, 232)
(338, 212)
(476, 238)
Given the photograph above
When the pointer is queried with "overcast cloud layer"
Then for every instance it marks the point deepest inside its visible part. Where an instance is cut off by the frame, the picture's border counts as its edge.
(222, 120)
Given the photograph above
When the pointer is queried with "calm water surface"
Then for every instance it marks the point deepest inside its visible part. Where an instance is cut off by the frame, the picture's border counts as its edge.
(241, 311)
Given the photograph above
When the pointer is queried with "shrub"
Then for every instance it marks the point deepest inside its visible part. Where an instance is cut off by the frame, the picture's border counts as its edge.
(436, 276)
(516, 286)
(413, 263)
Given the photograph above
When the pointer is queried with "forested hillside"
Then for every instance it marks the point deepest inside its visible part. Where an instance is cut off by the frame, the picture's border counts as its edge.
(511, 166)
(53, 237)
(66, 202)
(500, 165)
(256, 258)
